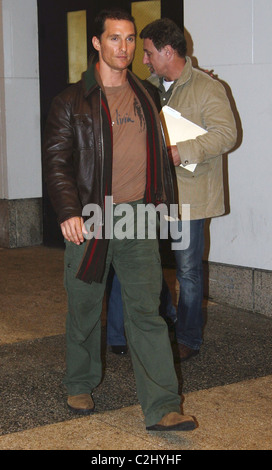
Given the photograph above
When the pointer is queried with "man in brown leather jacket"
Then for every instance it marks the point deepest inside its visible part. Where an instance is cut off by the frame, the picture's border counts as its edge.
(103, 142)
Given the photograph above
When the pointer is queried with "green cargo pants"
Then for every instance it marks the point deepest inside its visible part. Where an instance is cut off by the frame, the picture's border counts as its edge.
(138, 267)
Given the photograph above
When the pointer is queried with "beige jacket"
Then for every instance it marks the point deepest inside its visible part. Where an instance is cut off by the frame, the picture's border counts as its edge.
(202, 100)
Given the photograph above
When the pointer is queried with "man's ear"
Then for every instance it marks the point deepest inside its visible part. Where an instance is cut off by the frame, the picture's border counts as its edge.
(96, 43)
(168, 51)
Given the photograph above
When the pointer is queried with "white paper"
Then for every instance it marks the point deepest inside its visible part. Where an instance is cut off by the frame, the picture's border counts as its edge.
(179, 129)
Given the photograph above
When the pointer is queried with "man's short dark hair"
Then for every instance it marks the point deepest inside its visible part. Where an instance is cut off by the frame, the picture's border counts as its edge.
(164, 32)
(99, 26)
(110, 14)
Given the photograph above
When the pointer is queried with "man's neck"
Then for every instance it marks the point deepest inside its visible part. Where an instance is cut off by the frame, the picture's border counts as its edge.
(175, 69)
(111, 77)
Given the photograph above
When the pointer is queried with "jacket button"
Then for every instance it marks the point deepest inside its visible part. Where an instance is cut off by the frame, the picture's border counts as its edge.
(186, 162)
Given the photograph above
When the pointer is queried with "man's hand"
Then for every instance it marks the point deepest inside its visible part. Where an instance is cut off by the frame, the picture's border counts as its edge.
(73, 229)
(174, 155)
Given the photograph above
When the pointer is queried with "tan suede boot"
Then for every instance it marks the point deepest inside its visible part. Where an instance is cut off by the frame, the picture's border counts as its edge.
(174, 422)
(81, 404)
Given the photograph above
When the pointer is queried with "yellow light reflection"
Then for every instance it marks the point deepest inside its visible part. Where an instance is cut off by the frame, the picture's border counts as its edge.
(77, 44)
(144, 13)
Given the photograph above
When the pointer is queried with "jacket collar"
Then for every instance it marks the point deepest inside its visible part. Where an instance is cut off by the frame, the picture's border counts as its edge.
(90, 79)
(186, 72)
(184, 77)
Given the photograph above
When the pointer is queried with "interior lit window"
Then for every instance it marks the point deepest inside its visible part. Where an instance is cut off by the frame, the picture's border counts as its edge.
(144, 13)
(77, 44)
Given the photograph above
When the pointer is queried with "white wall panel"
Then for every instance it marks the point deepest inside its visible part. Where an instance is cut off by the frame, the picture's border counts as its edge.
(234, 39)
(21, 38)
(262, 38)
(221, 30)
(20, 158)
(23, 138)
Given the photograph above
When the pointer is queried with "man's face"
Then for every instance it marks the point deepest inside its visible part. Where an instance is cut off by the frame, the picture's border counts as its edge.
(117, 44)
(155, 60)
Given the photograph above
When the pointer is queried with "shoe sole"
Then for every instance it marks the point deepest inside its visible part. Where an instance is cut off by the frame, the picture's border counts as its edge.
(186, 426)
(80, 411)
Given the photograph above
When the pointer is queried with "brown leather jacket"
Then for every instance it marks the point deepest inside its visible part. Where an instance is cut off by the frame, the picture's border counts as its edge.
(75, 146)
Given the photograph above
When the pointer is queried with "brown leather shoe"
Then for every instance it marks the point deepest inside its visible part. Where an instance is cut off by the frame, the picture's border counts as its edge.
(81, 404)
(185, 352)
(174, 422)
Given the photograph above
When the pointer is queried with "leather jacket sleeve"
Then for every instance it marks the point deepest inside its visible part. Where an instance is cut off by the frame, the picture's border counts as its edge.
(58, 163)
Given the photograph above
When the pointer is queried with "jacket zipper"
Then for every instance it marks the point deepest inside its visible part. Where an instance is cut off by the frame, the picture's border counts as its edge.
(102, 158)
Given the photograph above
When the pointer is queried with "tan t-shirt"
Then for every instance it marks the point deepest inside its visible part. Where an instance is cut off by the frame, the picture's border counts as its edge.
(129, 144)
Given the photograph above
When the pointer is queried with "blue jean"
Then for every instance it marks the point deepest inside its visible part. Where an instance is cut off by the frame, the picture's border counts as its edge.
(189, 266)
(115, 320)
